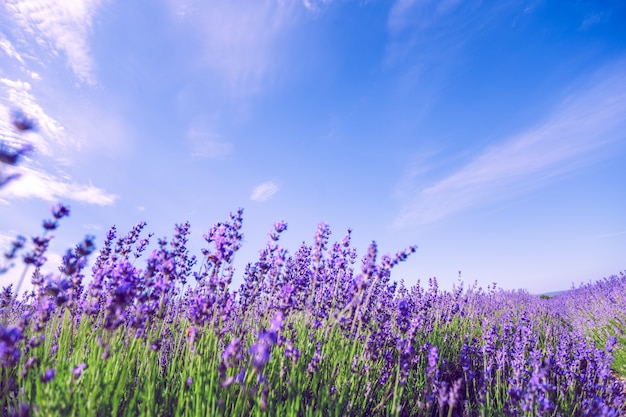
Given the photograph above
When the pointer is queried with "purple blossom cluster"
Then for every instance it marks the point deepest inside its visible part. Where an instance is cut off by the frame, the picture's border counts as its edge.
(313, 321)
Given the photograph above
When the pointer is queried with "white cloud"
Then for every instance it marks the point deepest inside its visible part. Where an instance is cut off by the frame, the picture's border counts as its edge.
(19, 96)
(264, 192)
(405, 13)
(38, 184)
(240, 41)
(207, 145)
(9, 50)
(49, 139)
(315, 5)
(586, 121)
(60, 26)
(211, 149)
(608, 235)
(5, 241)
(433, 33)
(397, 19)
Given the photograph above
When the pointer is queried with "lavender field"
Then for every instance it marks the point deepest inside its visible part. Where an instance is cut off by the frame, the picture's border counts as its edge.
(492, 133)
(316, 331)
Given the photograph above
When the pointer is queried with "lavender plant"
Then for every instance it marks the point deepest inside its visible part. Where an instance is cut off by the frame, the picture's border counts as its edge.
(597, 310)
(309, 333)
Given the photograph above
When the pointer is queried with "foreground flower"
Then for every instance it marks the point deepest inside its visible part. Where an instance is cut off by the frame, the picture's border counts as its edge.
(48, 375)
(9, 349)
(78, 370)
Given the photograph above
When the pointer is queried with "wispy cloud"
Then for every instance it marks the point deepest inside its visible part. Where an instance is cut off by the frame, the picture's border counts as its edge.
(428, 14)
(60, 26)
(427, 39)
(51, 140)
(5, 241)
(315, 5)
(610, 234)
(42, 185)
(587, 120)
(264, 192)
(19, 96)
(207, 145)
(433, 33)
(241, 41)
(9, 50)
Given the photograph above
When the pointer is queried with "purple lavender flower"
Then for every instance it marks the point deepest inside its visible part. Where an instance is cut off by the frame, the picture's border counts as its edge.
(40, 243)
(455, 393)
(230, 359)
(59, 211)
(405, 350)
(277, 322)
(315, 360)
(291, 351)
(9, 350)
(22, 122)
(141, 247)
(443, 392)
(232, 354)
(433, 358)
(28, 365)
(48, 375)
(22, 411)
(16, 245)
(260, 351)
(36, 256)
(12, 156)
(123, 282)
(78, 370)
(279, 227)
(403, 316)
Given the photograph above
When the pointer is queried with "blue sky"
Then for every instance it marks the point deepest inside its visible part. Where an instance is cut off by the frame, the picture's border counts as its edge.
(490, 134)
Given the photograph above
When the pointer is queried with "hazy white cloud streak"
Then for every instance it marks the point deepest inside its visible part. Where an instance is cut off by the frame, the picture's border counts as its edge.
(421, 14)
(264, 192)
(206, 145)
(315, 5)
(60, 26)
(586, 121)
(9, 50)
(240, 41)
(49, 139)
(19, 96)
(38, 184)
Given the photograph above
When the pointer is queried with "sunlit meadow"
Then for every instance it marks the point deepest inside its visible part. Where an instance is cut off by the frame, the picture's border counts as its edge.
(317, 330)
